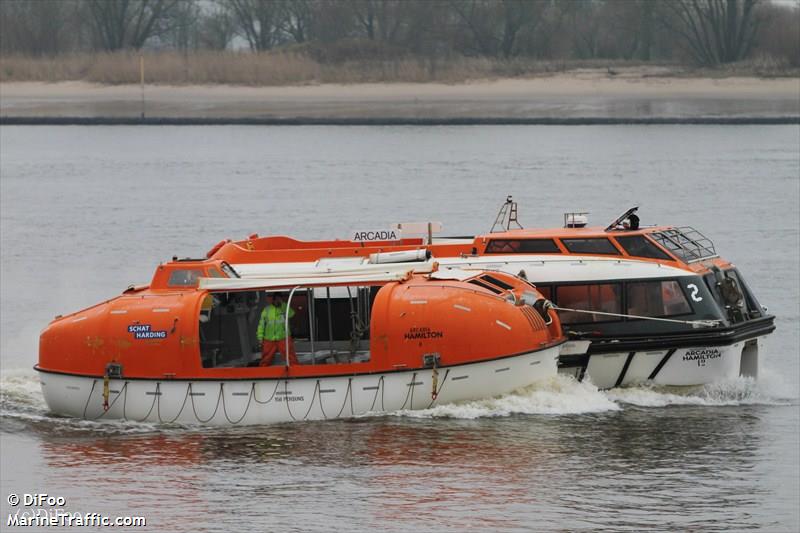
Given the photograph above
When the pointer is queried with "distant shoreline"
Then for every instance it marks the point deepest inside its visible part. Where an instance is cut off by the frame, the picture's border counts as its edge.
(580, 97)
(391, 121)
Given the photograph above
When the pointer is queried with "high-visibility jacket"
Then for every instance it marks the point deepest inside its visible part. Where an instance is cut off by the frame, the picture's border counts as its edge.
(272, 325)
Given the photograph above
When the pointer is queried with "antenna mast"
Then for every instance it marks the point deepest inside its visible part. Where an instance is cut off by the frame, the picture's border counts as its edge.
(506, 216)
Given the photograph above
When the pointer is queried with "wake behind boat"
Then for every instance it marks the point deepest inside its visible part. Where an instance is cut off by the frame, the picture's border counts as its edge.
(657, 303)
(186, 348)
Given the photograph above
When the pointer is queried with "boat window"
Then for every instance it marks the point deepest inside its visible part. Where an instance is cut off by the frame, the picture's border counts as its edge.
(657, 298)
(603, 297)
(184, 277)
(753, 307)
(229, 271)
(640, 246)
(329, 325)
(213, 272)
(711, 283)
(590, 246)
(522, 246)
(494, 281)
(546, 291)
(752, 304)
(485, 285)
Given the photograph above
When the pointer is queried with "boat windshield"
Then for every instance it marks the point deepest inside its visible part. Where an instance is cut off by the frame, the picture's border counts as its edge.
(686, 243)
(229, 271)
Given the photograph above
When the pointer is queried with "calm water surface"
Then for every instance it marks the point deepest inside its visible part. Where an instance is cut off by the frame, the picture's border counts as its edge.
(86, 211)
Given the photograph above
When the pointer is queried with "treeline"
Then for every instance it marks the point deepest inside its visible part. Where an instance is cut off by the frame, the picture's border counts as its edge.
(701, 32)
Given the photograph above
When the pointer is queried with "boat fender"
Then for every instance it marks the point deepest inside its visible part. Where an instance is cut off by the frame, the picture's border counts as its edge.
(112, 370)
(216, 247)
(105, 392)
(431, 360)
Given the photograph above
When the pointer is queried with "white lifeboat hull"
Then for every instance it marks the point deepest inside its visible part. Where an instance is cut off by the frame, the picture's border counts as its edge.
(269, 401)
(693, 366)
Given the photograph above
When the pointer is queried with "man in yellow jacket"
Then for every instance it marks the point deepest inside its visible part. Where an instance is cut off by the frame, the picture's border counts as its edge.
(272, 331)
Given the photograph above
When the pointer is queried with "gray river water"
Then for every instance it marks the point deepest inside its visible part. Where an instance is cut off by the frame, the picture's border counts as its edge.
(86, 211)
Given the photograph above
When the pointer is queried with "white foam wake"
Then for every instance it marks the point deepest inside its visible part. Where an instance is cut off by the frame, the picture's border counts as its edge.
(739, 391)
(560, 395)
(21, 400)
(564, 395)
(21, 387)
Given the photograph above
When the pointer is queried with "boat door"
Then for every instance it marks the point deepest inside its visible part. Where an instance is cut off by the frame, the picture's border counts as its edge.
(143, 327)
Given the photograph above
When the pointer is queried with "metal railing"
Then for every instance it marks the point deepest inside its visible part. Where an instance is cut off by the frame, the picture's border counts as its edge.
(686, 243)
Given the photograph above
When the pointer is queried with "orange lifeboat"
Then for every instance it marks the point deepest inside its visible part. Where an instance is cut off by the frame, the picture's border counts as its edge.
(185, 348)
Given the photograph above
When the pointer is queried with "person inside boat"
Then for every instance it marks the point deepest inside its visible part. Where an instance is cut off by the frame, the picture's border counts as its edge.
(631, 223)
(273, 333)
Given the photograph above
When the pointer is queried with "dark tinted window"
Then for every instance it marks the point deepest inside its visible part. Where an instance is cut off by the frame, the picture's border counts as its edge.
(214, 272)
(711, 283)
(639, 246)
(480, 283)
(184, 278)
(752, 304)
(657, 298)
(605, 297)
(494, 281)
(590, 246)
(545, 290)
(522, 246)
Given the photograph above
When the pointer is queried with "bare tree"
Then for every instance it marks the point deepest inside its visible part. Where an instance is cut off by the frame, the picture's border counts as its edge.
(183, 25)
(36, 28)
(646, 30)
(517, 14)
(257, 21)
(716, 31)
(296, 18)
(217, 29)
(780, 36)
(381, 19)
(495, 24)
(122, 24)
(585, 27)
(332, 21)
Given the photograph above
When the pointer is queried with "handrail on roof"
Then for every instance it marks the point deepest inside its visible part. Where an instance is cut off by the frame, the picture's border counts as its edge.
(687, 243)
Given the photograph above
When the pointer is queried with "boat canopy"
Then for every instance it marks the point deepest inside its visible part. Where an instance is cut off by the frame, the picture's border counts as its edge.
(365, 274)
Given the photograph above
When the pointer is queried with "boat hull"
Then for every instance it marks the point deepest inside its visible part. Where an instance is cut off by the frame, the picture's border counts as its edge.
(268, 401)
(686, 366)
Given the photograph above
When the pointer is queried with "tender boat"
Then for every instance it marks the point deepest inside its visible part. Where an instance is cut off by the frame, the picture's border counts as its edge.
(658, 303)
(379, 338)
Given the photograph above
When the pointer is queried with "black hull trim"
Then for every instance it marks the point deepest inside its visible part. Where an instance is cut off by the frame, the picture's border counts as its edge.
(707, 337)
(661, 364)
(624, 369)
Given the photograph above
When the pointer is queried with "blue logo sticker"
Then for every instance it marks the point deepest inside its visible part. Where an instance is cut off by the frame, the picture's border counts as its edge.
(144, 331)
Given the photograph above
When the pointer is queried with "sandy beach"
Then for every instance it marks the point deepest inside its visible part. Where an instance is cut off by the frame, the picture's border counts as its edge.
(577, 94)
